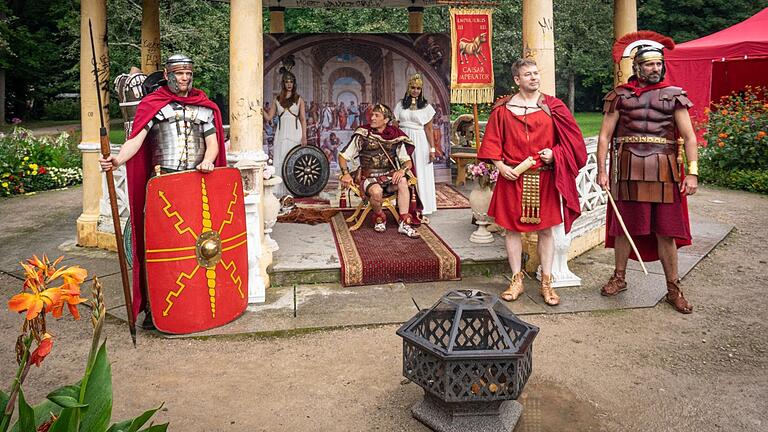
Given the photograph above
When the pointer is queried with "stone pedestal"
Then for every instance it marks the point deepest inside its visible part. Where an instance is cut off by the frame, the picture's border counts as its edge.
(271, 209)
(501, 416)
(564, 277)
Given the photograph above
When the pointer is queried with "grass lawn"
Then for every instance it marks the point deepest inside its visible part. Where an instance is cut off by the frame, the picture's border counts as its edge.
(589, 122)
(36, 124)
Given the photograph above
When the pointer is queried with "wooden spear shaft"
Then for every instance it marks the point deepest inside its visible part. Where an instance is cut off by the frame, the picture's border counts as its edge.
(626, 232)
(105, 152)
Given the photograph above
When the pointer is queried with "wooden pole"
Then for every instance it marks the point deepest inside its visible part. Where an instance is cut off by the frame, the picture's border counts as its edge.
(626, 232)
(477, 127)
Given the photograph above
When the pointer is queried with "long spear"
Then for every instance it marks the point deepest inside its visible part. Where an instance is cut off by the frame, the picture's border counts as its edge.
(105, 152)
(626, 231)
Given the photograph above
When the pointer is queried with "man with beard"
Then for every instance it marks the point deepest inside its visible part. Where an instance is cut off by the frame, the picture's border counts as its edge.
(176, 128)
(384, 155)
(643, 119)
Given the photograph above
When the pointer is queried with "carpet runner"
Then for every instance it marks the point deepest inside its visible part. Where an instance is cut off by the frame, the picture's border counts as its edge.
(448, 197)
(369, 258)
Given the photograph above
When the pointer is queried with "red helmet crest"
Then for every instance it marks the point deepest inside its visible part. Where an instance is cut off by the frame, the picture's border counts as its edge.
(623, 47)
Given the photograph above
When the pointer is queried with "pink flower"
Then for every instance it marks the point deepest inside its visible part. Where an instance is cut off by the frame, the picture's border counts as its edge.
(494, 176)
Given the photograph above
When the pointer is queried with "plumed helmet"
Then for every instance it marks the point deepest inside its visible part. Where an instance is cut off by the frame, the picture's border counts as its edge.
(642, 46)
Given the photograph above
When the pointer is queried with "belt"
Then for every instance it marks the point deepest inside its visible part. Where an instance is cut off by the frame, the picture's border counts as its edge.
(375, 173)
(644, 139)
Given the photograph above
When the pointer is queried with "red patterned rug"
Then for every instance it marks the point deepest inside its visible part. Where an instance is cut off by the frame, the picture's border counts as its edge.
(448, 197)
(369, 258)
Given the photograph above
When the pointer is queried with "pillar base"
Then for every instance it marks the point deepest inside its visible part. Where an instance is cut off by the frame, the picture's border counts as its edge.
(87, 233)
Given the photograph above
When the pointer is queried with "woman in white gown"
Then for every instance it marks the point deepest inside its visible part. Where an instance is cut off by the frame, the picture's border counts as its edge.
(414, 116)
(291, 128)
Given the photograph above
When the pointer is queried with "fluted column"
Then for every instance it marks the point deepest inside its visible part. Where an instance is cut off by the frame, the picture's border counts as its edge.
(624, 21)
(246, 98)
(96, 11)
(150, 36)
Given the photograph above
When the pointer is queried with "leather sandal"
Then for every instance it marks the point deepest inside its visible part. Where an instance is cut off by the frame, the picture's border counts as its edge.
(676, 299)
(515, 288)
(548, 292)
(615, 284)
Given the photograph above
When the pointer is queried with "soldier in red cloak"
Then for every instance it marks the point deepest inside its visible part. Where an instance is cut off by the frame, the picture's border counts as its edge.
(176, 128)
(533, 124)
(642, 120)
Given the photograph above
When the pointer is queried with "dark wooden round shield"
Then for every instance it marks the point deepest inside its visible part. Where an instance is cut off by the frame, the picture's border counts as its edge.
(306, 171)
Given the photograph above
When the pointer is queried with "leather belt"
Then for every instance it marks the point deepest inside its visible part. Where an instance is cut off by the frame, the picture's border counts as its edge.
(375, 173)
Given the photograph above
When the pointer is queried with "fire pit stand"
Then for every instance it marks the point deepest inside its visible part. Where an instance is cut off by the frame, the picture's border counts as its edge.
(472, 357)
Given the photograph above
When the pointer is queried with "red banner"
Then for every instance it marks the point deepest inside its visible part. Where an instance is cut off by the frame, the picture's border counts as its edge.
(471, 60)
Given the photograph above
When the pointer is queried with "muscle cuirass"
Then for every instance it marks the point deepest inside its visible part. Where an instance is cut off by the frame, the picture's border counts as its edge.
(644, 150)
(178, 136)
(375, 155)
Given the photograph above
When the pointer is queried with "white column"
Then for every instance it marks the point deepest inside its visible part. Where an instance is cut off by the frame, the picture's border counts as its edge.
(246, 66)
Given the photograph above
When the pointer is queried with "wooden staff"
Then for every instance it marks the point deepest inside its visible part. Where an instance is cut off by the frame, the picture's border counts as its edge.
(105, 151)
(626, 232)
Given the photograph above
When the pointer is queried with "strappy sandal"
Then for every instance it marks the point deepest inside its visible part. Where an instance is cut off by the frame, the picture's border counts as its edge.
(515, 288)
(676, 299)
(548, 292)
(615, 284)
(408, 230)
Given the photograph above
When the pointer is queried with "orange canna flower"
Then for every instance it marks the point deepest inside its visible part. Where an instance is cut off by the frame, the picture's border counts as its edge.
(70, 294)
(722, 135)
(42, 350)
(724, 112)
(34, 302)
(706, 110)
(71, 275)
(761, 134)
(720, 144)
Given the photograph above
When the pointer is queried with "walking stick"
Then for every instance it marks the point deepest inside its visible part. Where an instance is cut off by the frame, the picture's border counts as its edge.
(626, 232)
(105, 151)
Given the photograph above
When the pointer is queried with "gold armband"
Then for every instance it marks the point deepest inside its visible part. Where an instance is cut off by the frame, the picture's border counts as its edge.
(344, 171)
(693, 167)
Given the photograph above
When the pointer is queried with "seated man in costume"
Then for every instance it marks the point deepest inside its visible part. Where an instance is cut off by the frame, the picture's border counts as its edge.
(182, 130)
(384, 155)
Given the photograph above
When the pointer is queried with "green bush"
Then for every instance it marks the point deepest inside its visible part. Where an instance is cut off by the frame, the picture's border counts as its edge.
(29, 163)
(63, 109)
(736, 136)
(747, 180)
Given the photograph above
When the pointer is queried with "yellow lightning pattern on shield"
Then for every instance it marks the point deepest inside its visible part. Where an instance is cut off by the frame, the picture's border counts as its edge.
(210, 273)
(176, 215)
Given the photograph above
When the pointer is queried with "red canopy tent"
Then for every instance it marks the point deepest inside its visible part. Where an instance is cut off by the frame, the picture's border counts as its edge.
(723, 62)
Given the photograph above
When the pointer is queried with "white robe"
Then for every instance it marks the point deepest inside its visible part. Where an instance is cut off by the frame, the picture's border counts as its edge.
(412, 123)
(287, 136)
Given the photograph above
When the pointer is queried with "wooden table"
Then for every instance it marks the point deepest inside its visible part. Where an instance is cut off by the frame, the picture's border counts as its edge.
(462, 159)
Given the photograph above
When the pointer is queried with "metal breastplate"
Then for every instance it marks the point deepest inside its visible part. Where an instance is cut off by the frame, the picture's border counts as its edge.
(373, 158)
(177, 134)
(650, 114)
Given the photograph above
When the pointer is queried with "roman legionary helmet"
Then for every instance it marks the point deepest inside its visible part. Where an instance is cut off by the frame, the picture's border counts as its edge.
(175, 63)
(642, 46)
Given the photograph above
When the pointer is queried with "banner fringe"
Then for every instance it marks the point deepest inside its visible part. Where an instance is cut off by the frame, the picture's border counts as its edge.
(472, 95)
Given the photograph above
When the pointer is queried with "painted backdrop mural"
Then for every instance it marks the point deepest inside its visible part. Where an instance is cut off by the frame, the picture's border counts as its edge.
(340, 77)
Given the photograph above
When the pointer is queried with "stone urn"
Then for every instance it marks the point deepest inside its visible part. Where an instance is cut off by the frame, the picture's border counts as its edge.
(271, 209)
(479, 200)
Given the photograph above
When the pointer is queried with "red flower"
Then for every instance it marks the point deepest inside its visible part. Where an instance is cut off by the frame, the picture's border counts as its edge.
(42, 170)
(42, 350)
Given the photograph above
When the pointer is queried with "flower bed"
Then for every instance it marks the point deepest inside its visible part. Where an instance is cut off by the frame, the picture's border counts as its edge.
(30, 164)
(736, 151)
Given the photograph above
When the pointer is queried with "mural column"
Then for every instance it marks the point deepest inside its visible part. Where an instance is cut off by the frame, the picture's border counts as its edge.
(624, 21)
(246, 83)
(415, 19)
(96, 11)
(150, 36)
(276, 19)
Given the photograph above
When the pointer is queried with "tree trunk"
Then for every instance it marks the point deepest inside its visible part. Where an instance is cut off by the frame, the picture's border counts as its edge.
(571, 91)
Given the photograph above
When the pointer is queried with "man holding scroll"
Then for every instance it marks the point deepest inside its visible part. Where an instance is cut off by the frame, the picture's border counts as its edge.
(538, 149)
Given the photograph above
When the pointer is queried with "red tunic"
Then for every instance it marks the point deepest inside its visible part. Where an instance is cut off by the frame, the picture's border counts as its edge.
(508, 138)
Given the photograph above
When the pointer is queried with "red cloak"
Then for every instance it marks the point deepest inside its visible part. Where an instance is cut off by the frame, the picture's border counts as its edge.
(569, 150)
(139, 167)
(647, 244)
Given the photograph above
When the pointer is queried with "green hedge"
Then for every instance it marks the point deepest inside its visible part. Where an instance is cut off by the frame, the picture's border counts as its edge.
(746, 180)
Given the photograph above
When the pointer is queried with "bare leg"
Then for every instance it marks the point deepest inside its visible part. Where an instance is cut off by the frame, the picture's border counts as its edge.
(403, 196)
(375, 193)
(546, 249)
(668, 256)
(514, 244)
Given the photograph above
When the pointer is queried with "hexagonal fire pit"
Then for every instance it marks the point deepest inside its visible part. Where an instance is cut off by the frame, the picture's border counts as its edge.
(472, 357)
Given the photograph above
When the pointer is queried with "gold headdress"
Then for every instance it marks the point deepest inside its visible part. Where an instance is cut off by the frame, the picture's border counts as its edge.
(415, 79)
